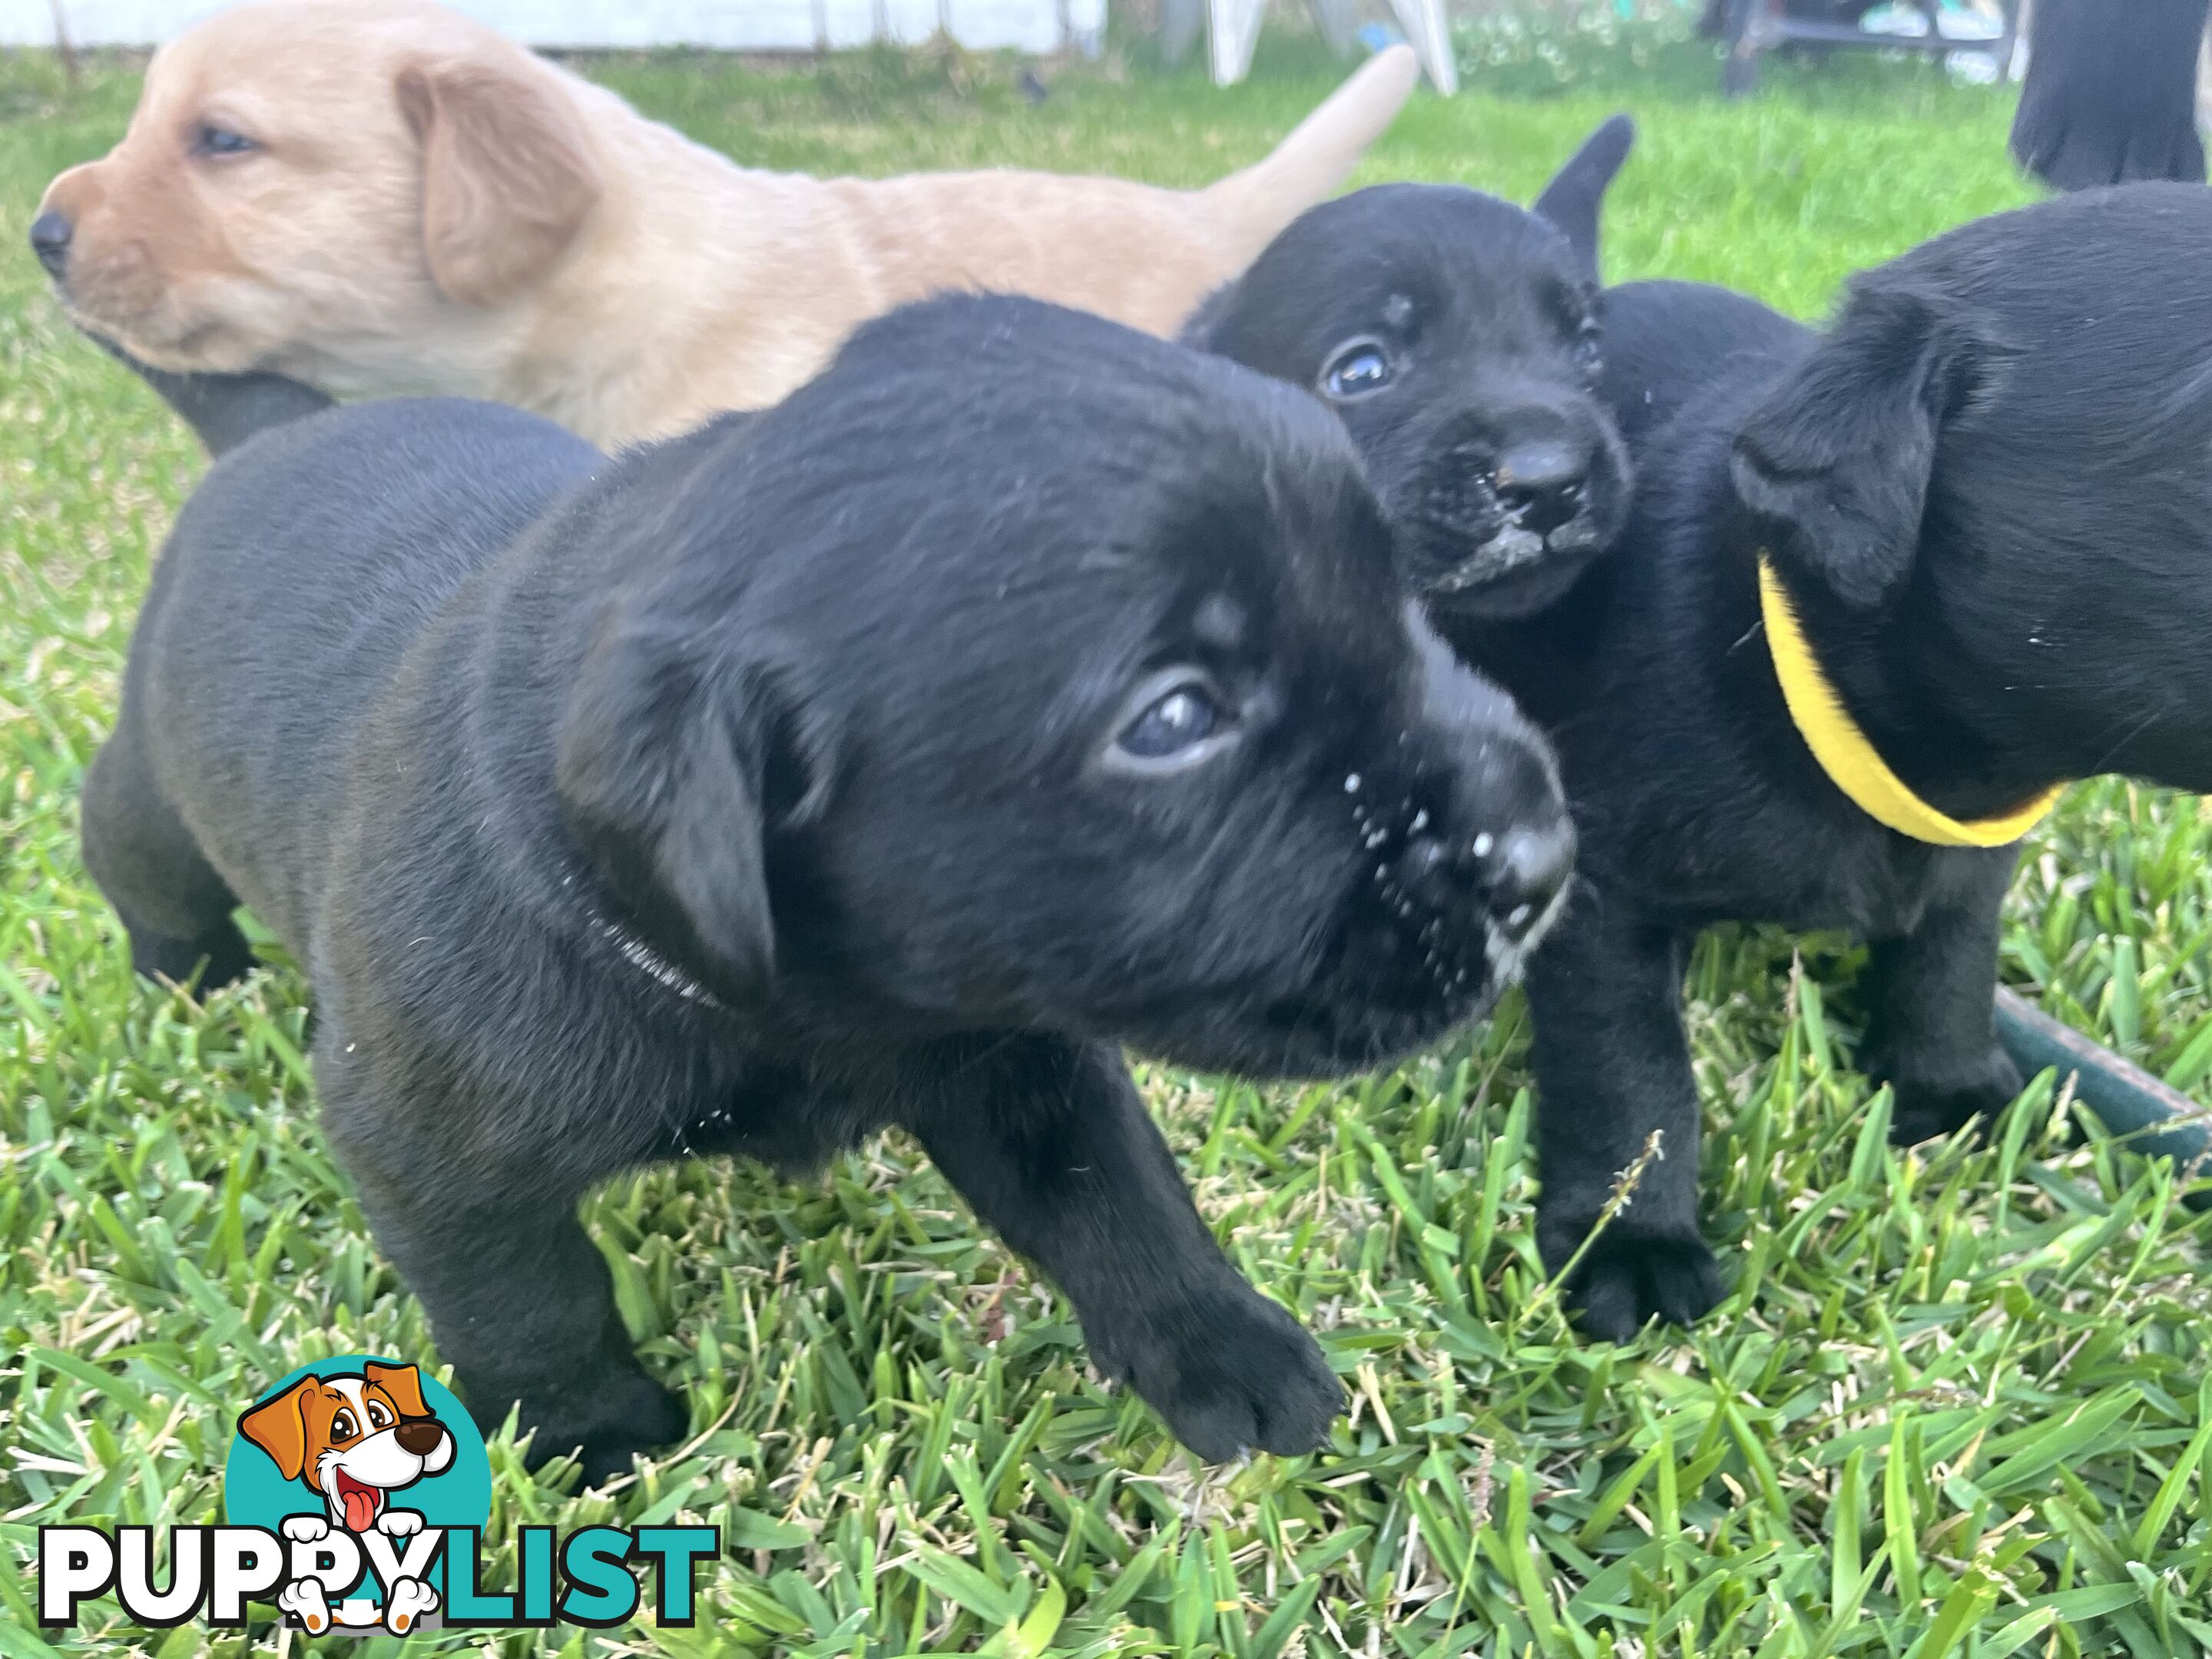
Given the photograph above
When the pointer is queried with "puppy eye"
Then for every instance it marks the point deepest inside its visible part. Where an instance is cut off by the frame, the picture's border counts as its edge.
(342, 1426)
(211, 140)
(1180, 722)
(1357, 369)
(1186, 716)
(377, 1417)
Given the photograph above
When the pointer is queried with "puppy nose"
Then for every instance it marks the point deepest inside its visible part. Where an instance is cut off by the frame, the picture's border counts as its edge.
(1511, 876)
(1528, 868)
(1539, 483)
(420, 1435)
(50, 240)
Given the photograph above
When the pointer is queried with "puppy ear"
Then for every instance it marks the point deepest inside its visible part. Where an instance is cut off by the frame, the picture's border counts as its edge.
(508, 177)
(663, 765)
(403, 1382)
(1199, 331)
(1574, 198)
(279, 1427)
(1836, 461)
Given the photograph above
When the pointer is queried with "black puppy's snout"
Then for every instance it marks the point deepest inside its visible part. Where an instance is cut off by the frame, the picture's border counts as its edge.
(1471, 844)
(51, 233)
(1497, 856)
(1529, 867)
(1542, 484)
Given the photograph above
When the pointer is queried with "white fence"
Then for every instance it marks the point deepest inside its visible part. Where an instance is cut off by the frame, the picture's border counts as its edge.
(1031, 26)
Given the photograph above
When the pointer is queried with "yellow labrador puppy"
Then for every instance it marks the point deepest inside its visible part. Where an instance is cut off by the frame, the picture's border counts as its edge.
(393, 198)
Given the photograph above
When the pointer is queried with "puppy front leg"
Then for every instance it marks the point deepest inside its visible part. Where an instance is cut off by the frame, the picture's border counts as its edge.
(1049, 1141)
(1931, 1023)
(521, 1304)
(519, 1299)
(1612, 1066)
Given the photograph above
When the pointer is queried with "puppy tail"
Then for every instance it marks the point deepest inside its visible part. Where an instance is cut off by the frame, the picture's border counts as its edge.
(226, 410)
(1250, 207)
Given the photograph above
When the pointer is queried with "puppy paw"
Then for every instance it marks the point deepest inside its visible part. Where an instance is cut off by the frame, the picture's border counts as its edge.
(1934, 1103)
(400, 1523)
(305, 1528)
(1230, 1376)
(303, 1598)
(1628, 1279)
(633, 1415)
(410, 1600)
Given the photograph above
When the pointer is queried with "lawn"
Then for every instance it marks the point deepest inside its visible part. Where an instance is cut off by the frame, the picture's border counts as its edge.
(1957, 1404)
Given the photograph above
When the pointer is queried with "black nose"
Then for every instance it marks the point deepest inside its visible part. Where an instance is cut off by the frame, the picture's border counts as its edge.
(1541, 484)
(1511, 875)
(1527, 869)
(1498, 845)
(50, 240)
(419, 1435)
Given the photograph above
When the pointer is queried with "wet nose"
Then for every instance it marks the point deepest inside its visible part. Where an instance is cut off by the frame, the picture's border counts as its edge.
(1527, 869)
(420, 1435)
(1541, 482)
(1513, 874)
(50, 240)
(1507, 848)
(1500, 843)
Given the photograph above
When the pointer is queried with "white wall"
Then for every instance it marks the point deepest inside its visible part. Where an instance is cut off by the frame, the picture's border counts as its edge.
(1031, 26)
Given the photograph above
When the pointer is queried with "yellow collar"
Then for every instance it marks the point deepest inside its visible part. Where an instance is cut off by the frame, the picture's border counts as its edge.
(1849, 759)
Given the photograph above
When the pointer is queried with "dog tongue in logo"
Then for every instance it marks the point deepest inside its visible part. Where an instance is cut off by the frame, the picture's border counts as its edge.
(361, 1501)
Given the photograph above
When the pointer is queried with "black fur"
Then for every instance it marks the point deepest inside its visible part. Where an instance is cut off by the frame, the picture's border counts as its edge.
(2111, 94)
(763, 787)
(224, 411)
(1496, 464)
(1985, 488)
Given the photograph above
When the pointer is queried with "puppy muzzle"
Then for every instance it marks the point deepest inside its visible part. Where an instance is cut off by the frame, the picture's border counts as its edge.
(1474, 885)
(1504, 528)
(1466, 849)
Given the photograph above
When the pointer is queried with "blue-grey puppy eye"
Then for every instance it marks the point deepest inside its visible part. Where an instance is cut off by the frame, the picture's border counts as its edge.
(1357, 369)
(1187, 716)
(211, 140)
(1180, 721)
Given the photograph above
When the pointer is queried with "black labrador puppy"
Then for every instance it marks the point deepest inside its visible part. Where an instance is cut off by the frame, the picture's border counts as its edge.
(1970, 517)
(2111, 94)
(1981, 506)
(1456, 335)
(1022, 687)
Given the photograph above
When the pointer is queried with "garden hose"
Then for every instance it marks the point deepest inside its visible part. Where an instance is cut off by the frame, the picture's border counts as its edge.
(2152, 1117)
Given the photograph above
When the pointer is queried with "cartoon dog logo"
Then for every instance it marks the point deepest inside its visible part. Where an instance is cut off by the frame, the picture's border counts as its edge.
(355, 1439)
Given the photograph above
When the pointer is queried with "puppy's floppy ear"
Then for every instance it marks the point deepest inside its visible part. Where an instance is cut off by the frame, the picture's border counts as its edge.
(664, 765)
(508, 178)
(1201, 330)
(279, 1427)
(1575, 196)
(1836, 461)
(403, 1382)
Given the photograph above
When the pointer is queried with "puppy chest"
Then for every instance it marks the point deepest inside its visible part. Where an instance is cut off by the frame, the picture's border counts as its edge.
(1855, 877)
(775, 1115)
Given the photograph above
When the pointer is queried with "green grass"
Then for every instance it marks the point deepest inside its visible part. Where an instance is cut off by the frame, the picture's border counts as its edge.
(1958, 1403)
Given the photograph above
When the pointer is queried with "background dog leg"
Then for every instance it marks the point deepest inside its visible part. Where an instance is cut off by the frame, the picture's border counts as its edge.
(519, 1296)
(1050, 1143)
(177, 909)
(1931, 1028)
(1612, 1066)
